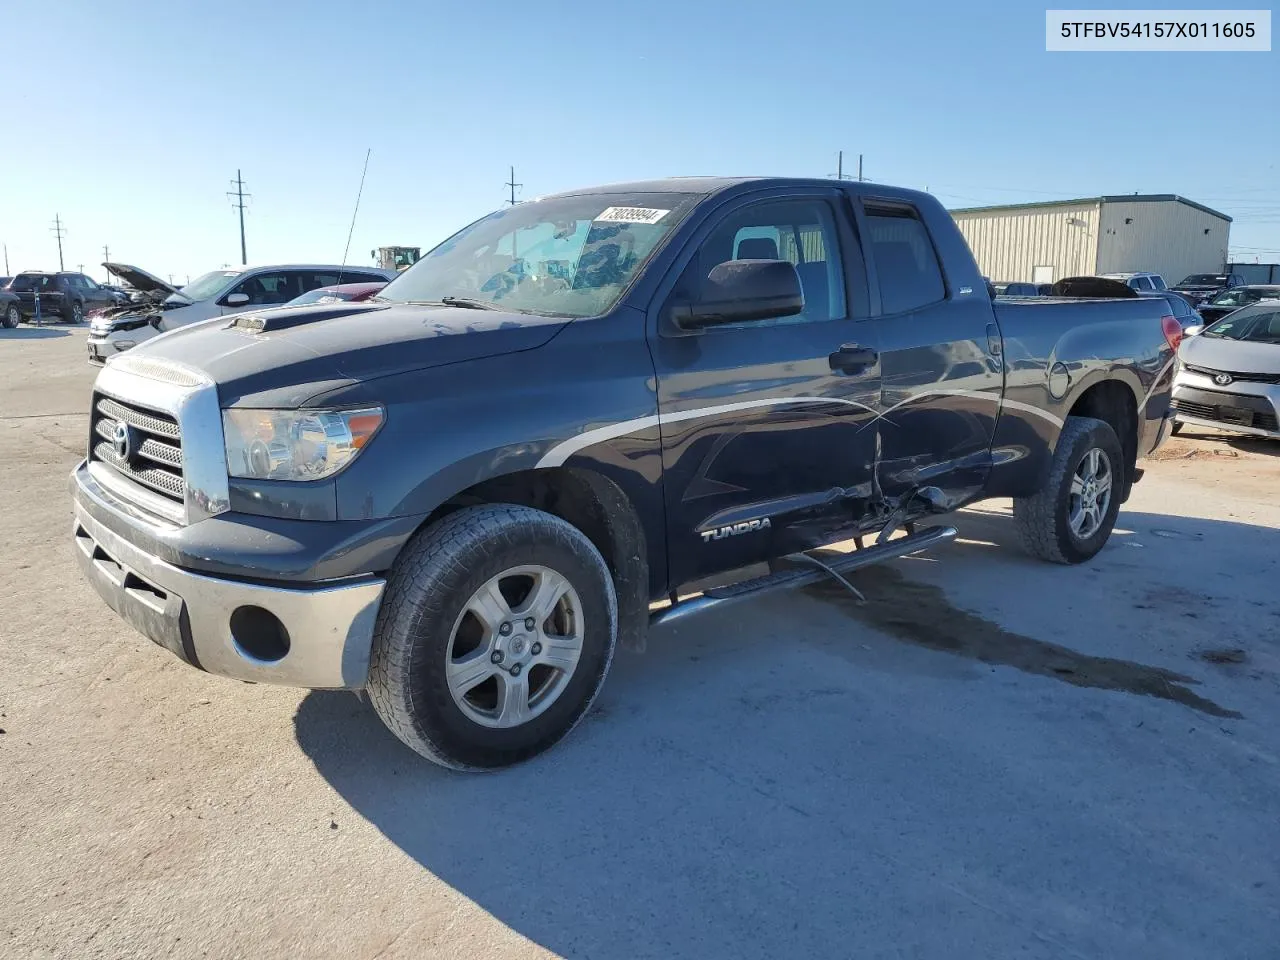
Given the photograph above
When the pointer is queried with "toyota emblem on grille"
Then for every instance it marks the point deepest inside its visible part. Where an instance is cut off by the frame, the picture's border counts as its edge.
(1222, 379)
(122, 441)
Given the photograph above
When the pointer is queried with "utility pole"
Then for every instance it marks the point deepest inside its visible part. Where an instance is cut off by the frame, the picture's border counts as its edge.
(240, 195)
(6, 261)
(840, 174)
(512, 184)
(59, 231)
(106, 253)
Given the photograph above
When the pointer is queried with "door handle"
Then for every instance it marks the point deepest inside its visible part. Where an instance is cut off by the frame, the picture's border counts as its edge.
(853, 358)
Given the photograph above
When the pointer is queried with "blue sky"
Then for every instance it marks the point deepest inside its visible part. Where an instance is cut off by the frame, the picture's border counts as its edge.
(128, 119)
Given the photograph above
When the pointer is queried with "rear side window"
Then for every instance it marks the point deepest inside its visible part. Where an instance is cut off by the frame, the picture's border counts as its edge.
(905, 261)
(1140, 283)
(1158, 283)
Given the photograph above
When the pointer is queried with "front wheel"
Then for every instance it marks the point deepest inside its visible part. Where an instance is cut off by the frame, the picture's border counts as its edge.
(494, 636)
(1072, 517)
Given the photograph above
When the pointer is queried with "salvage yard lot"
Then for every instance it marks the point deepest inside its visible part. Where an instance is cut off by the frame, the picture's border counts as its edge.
(993, 757)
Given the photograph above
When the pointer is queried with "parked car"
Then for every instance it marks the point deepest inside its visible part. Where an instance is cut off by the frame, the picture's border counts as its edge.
(214, 294)
(1180, 307)
(1231, 300)
(1138, 281)
(1017, 290)
(10, 309)
(65, 295)
(462, 496)
(1200, 287)
(342, 293)
(1229, 377)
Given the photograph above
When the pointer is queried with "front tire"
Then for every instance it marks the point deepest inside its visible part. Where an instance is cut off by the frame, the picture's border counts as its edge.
(1072, 517)
(495, 634)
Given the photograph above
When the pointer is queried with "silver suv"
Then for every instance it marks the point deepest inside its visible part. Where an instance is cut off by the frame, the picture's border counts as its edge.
(158, 307)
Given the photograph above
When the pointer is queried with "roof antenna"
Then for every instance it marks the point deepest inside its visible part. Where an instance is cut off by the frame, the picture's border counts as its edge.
(359, 193)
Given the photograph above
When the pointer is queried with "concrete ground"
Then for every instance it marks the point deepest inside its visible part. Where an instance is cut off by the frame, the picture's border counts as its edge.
(993, 758)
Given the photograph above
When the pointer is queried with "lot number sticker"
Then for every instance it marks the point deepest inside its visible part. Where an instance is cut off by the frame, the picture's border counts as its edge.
(631, 215)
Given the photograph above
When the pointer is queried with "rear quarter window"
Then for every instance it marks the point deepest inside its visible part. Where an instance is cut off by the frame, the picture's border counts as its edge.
(905, 261)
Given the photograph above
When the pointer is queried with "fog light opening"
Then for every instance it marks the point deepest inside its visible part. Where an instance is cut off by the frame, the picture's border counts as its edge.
(259, 634)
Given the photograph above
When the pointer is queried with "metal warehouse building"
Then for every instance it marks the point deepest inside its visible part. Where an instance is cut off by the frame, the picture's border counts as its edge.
(1043, 242)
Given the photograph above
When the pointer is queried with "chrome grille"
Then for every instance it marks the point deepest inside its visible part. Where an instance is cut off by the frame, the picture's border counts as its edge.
(156, 460)
(1243, 377)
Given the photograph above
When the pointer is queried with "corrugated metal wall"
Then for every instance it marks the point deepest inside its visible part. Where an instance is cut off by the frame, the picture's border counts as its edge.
(1009, 244)
(1165, 237)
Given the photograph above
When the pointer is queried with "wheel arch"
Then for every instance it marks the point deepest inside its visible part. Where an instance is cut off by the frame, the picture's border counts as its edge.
(1114, 401)
(595, 505)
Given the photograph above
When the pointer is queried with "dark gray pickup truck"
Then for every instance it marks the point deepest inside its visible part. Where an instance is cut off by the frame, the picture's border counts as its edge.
(462, 495)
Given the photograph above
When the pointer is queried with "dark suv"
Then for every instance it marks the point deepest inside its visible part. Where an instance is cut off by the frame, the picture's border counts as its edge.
(66, 295)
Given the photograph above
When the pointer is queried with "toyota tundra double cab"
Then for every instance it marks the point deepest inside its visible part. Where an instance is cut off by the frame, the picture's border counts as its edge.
(462, 495)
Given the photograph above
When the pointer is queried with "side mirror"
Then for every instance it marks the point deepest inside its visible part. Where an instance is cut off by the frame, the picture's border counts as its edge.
(236, 299)
(739, 291)
(1194, 330)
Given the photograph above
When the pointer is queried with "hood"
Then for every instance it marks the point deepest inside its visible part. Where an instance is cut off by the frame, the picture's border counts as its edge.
(139, 279)
(1234, 356)
(286, 355)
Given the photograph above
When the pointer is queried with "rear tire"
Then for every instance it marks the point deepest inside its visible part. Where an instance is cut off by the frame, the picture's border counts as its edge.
(12, 316)
(454, 611)
(1177, 428)
(74, 314)
(1072, 517)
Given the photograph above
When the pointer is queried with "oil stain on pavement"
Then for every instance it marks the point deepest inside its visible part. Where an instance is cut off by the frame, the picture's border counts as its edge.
(920, 613)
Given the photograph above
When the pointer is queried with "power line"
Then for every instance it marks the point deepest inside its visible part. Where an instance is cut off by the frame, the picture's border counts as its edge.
(240, 196)
(59, 231)
(512, 184)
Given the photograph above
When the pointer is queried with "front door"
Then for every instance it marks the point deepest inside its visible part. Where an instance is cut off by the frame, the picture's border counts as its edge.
(765, 446)
(942, 376)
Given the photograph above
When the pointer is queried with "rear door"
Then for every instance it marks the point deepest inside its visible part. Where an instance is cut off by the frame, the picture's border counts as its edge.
(940, 364)
(764, 441)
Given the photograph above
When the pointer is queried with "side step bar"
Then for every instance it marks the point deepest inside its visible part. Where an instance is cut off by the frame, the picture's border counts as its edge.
(802, 577)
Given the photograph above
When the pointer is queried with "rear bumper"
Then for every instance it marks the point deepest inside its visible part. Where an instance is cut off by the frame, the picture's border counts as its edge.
(320, 633)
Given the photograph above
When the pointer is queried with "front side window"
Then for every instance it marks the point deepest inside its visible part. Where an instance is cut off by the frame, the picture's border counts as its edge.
(268, 289)
(802, 232)
(564, 256)
(905, 261)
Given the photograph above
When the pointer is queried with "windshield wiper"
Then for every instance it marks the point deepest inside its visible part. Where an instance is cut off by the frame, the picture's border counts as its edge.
(468, 303)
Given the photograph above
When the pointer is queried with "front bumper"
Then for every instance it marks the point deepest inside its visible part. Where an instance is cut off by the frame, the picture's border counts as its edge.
(305, 635)
(1241, 407)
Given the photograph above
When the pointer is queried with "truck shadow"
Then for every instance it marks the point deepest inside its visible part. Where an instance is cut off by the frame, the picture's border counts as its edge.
(665, 826)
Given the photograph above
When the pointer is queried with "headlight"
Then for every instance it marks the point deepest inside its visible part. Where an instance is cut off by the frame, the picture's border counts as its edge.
(295, 444)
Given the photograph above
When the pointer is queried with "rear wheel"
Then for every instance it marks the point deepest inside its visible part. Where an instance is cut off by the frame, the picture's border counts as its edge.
(1177, 428)
(1072, 517)
(12, 316)
(495, 634)
(76, 312)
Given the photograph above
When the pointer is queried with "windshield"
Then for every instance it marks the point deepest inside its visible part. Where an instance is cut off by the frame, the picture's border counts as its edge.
(567, 256)
(202, 288)
(1203, 280)
(1258, 327)
(1241, 296)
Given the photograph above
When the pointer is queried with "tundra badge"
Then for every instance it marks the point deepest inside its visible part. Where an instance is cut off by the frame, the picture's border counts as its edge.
(735, 529)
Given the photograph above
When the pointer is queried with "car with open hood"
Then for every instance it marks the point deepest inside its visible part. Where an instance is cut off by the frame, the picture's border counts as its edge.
(159, 307)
